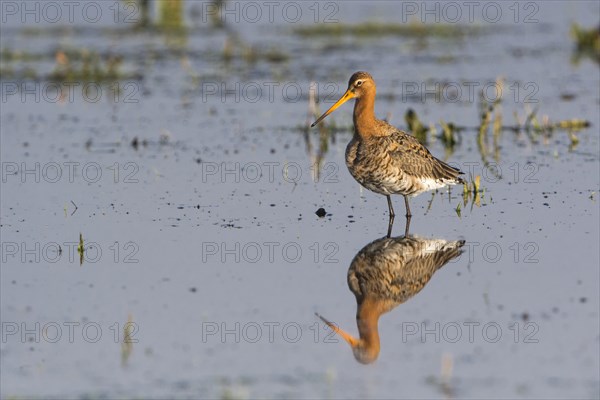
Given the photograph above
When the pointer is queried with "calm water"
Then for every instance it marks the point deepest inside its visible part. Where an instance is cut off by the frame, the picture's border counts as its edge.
(204, 235)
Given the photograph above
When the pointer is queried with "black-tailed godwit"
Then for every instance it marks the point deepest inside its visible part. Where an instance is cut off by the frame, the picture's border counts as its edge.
(385, 159)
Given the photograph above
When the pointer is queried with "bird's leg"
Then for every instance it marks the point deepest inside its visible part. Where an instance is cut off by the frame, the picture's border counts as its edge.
(391, 208)
(408, 216)
(392, 215)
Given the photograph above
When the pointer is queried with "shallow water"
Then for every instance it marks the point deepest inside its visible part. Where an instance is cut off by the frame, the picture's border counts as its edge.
(205, 235)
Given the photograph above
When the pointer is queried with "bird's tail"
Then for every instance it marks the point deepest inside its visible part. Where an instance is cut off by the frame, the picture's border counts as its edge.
(450, 174)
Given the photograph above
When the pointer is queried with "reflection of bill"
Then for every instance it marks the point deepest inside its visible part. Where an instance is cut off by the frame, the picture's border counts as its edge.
(383, 275)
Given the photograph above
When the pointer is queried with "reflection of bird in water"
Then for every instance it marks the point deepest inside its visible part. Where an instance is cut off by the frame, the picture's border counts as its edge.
(383, 275)
(383, 158)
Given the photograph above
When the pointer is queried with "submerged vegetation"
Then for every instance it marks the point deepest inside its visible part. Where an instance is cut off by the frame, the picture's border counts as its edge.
(236, 49)
(72, 64)
(415, 126)
(83, 65)
(127, 343)
(472, 191)
(379, 29)
(90, 64)
(81, 249)
(587, 42)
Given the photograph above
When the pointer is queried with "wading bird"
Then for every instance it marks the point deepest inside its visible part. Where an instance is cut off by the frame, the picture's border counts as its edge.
(385, 159)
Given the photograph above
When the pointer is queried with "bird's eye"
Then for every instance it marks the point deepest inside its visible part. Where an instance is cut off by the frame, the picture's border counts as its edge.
(358, 83)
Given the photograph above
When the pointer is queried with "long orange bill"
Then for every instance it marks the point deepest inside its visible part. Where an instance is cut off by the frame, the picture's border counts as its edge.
(347, 96)
(352, 341)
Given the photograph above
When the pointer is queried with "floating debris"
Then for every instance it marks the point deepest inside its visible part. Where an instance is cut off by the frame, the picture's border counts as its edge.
(321, 212)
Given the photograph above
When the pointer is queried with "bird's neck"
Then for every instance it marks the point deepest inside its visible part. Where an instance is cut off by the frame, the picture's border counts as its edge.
(364, 115)
(367, 320)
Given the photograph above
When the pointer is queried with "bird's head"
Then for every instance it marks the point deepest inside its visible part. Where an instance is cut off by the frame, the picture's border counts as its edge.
(359, 84)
